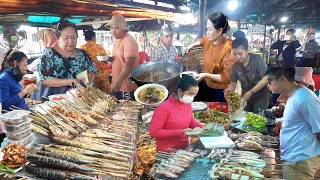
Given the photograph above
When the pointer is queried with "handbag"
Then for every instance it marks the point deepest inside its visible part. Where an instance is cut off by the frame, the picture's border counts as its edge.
(279, 61)
(247, 78)
(245, 74)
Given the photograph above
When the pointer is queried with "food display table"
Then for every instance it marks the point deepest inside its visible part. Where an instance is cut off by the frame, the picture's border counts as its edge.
(206, 160)
(102, 133)
(143, 163)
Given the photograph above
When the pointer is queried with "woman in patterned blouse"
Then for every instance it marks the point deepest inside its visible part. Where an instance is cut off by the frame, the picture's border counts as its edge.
(59, 66)
(94, 50)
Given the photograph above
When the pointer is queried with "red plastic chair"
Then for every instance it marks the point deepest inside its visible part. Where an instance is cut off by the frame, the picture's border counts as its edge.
(318, 62)
(143, 57)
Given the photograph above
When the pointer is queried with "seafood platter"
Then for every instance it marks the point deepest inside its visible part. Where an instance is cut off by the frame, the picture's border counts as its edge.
(246, 160)
(93, 136)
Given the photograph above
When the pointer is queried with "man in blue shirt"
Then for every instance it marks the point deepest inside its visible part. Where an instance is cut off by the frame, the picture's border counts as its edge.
(300, 131)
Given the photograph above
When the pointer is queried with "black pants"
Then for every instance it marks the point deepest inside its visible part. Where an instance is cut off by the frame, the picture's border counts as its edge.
(207, 94)
(124, 95)
(309, 62)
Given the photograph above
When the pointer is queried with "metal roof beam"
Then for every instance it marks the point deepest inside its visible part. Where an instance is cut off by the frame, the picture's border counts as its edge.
(147, 6)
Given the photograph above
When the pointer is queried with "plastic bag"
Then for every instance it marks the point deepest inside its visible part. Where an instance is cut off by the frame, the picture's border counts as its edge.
(240, 111)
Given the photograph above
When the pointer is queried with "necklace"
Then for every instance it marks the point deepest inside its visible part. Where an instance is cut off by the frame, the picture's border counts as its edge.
(69, 54)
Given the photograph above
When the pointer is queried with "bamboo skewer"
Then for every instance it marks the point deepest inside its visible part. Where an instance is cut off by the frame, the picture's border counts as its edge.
(272, 170)
(277, 164)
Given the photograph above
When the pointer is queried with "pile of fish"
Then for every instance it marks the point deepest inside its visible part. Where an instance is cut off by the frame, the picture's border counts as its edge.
(93, 135)
(253, 141)
(218, 154)
(66, 119)
(172, 165)
(240, 165)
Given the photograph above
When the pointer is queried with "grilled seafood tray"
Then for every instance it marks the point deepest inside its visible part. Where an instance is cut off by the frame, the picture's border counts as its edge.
(197, 171)
(197, 165)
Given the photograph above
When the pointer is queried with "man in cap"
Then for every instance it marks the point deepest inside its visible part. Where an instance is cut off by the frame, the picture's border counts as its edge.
(165, 50)
(310, 51)
(124, 58)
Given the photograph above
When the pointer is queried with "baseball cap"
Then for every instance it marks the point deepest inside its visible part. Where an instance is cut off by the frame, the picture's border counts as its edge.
(167, 30)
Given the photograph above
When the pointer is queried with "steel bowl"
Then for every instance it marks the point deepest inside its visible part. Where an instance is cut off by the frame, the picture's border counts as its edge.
(167, 80)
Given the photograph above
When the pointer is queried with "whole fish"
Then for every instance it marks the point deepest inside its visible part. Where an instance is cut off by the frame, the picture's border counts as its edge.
(46, 173)
(56, 163)
(64, 157)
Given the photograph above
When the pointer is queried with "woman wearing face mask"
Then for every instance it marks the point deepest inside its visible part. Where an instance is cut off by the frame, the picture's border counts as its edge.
(287, 49)
(217, 58)
(59, 66)
(11, 91)
(175, 115)
(249, 70)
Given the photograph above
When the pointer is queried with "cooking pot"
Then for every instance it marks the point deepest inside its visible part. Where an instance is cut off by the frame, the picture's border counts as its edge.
(168, 80)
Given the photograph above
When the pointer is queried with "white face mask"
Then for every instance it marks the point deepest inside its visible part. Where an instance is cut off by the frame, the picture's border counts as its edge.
(187, 99)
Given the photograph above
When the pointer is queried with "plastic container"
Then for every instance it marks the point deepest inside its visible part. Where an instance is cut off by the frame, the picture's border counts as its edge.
(20, 135)
(33, 140)
(24, 141)
(15, 117)
(17, 128)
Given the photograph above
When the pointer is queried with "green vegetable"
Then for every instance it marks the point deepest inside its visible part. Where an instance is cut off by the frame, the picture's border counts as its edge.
(254, 122)
(3, 167)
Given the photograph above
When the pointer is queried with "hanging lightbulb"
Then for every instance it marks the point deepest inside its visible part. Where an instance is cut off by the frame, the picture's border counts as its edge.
(232, 5)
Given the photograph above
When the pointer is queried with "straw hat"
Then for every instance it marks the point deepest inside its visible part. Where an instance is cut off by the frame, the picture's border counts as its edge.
(119, 21)
(304, 74)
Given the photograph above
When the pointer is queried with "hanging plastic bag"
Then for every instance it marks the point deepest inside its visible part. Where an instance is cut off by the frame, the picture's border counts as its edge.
(240, 111)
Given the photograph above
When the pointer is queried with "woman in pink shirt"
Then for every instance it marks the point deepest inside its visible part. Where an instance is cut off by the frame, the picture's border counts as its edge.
(175, 115)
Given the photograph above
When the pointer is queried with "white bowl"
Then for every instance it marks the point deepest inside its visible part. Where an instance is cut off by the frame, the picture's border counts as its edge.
(192, 73)
(102, 58)
(166, 92)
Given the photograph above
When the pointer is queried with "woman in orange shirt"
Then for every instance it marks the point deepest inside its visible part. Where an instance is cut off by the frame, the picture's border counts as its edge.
(94, 50)
(217, 58)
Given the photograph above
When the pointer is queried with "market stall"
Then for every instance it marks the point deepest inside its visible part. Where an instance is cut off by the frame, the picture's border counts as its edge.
(249, 150)
(90, 135)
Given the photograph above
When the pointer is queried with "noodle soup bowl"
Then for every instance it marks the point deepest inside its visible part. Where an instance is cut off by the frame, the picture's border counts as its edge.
(165, 91)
